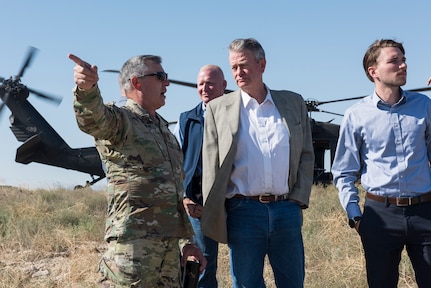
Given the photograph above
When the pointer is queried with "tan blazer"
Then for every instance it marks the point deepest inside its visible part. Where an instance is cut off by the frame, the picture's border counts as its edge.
(219, 148)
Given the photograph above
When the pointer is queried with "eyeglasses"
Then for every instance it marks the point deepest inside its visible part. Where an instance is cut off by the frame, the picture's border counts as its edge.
(162, 76)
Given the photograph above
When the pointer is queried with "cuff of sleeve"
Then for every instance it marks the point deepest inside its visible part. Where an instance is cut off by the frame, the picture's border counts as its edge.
(82, 92)
(353, 210)
(86, 96)
(184, 242)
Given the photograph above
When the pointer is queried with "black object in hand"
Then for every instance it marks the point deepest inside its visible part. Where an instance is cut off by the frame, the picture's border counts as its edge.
(191, 275)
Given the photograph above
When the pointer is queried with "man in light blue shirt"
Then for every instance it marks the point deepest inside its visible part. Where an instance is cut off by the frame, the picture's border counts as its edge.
(385, 141)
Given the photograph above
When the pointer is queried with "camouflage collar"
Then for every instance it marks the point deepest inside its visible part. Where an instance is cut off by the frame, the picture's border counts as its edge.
(134, 107)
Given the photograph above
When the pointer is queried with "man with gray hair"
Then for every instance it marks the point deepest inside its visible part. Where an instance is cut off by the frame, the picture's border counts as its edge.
(258, 164)
(145, 217)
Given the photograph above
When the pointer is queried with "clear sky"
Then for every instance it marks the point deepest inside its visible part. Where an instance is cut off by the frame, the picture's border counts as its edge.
(314, 48)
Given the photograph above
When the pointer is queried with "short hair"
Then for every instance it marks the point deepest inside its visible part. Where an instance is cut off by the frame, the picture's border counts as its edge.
(213, 67)
(250, 44)
(373, 52)
(135, 66)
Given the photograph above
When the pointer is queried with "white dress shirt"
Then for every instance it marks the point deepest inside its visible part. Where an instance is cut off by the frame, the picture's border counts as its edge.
(262, 159)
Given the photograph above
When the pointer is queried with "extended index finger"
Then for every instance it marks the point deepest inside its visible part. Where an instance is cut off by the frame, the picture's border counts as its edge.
(78, 60)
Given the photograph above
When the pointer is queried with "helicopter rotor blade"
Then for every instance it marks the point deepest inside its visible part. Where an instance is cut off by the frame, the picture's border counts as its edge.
(312, 104)
(4, 98)
(30, 55)
(360, 97)
(193, 85)
(338, 100)
(111, 71)
(46, 96)
(328, 112)
(420, 89)
(178, 82)
(183, 83)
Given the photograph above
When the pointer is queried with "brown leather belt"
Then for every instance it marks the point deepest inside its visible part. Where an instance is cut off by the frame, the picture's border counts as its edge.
(264, 198)
(401, 201)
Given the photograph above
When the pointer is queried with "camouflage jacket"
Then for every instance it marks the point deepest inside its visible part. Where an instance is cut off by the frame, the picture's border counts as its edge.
(143, 164)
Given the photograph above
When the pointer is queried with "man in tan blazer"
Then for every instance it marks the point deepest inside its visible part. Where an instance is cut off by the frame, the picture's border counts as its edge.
(257, 172)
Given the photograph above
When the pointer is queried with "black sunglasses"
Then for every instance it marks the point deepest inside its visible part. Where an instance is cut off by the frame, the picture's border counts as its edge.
(162, 76)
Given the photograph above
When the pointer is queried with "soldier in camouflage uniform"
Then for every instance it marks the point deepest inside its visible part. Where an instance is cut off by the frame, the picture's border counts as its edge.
(146, 220)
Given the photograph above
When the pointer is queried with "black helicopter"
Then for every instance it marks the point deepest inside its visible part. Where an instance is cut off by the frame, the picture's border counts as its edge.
(42, 144)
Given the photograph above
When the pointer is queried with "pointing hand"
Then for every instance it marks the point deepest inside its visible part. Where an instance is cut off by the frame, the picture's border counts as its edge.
(85, 75)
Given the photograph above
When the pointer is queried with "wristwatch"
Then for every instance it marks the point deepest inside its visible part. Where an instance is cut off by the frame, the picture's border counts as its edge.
(354, 220)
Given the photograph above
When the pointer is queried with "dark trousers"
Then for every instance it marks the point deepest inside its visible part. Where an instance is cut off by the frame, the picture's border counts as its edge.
(385, 230)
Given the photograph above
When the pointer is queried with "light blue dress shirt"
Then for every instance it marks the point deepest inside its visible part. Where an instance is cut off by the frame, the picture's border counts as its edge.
(387, 146)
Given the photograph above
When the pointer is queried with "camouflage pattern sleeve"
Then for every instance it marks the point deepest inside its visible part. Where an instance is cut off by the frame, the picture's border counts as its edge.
(143, 164)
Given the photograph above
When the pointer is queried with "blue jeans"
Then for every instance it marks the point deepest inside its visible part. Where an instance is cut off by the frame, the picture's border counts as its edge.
(209, 248)
(256, 230)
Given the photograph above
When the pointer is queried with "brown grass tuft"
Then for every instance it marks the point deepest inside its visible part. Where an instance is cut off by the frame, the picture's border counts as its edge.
(54, 238)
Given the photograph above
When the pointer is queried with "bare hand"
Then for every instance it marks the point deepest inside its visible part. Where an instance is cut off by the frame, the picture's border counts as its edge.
(429, 81)
(193, 209)
(194, 253)
(85, 75)
(357, 226)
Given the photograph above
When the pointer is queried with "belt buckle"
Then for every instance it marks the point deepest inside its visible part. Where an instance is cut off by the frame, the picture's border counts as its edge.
(409, 201)
(261, 198)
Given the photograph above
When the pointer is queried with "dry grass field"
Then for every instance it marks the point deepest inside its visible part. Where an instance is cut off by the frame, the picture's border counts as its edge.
(54, 238)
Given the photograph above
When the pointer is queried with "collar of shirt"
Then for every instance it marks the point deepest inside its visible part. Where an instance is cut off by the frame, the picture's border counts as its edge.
(246, 99)
(131, 105)
(378, 101)
(204, 109)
